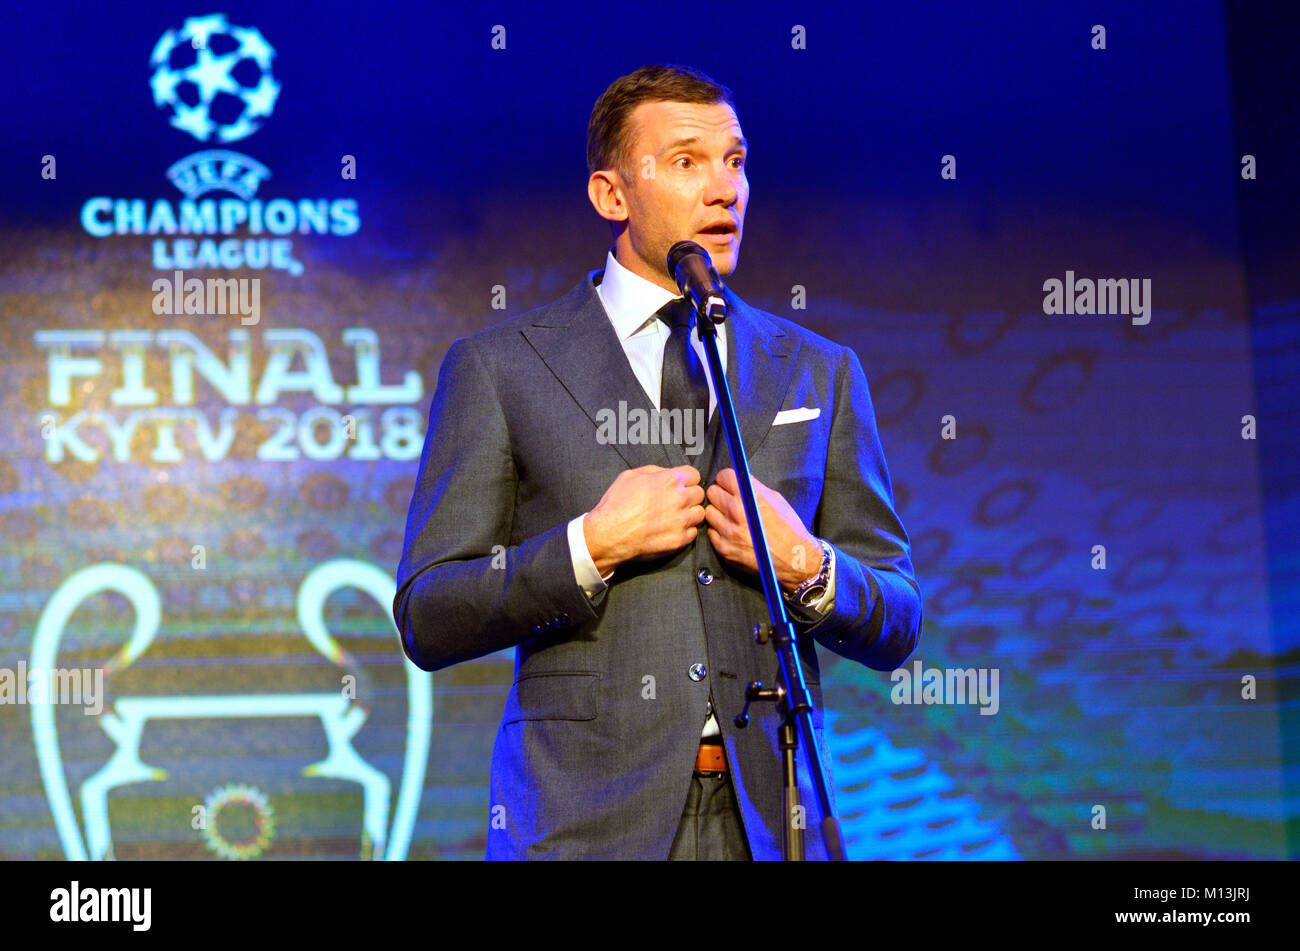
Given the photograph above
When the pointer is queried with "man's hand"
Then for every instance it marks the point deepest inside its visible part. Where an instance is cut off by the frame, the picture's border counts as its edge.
(795, 552)
(644, 513)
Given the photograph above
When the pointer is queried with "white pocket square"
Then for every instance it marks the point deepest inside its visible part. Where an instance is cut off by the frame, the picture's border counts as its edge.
(796, 415)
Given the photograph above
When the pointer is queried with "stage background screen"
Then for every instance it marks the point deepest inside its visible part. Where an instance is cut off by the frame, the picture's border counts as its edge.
(209, 510)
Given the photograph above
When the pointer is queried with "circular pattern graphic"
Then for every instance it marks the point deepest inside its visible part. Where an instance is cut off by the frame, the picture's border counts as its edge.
(238, 794)
(243, 493)
(977, 330)
(1048, 611)
(1058, 381)
(324, 492)
(959, 593)
(955, 456)
(1146, 571)
(1129, 513)
(167, 503)
(895, 395)
(1236, 532)
(930, 545)
(1037, 557)
(1006, 502)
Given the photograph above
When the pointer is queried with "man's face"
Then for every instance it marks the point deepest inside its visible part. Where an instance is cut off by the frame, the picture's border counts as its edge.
(688, 166)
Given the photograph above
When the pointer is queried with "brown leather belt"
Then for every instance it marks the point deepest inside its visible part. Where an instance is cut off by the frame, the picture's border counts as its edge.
(710, 759)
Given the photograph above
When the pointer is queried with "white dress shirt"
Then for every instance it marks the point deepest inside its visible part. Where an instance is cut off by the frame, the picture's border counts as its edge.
(631, 302)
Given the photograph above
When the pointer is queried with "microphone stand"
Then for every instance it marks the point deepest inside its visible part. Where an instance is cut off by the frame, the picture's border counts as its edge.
(792, 698)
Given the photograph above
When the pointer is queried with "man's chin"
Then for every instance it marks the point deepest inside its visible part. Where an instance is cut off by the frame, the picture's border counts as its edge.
(724, 256)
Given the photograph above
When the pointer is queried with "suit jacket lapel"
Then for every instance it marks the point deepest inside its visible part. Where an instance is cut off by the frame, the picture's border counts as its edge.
(760, 365)
(576, 340)
(579, 345)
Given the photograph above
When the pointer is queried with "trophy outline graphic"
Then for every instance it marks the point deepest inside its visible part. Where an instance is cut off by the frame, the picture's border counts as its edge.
(388, 828)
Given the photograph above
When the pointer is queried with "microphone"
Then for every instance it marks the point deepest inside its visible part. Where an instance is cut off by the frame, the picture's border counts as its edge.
(691, 268)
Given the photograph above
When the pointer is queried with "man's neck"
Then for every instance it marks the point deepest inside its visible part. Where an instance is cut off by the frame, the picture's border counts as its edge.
(659, 277)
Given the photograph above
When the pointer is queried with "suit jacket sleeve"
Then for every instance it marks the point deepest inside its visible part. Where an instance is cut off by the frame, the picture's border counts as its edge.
(877, 613)
(462, 590)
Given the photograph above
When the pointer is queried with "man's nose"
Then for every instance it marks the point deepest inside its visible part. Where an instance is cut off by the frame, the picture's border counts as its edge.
(721, 187)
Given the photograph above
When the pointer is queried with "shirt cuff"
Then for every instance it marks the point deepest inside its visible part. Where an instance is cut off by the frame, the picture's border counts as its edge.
(584, 569)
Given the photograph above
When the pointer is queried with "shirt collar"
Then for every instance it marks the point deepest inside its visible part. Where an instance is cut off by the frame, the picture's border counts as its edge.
(629, 299)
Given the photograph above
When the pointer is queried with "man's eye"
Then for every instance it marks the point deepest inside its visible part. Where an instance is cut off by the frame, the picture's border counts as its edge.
(740, 162)
(683, 159)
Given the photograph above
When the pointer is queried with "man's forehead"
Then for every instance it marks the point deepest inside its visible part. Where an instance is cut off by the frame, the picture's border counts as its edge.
(661, 122)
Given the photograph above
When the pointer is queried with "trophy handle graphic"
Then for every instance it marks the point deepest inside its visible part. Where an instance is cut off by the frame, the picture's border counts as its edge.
(139, 590)
(127, 720)
(316, 588)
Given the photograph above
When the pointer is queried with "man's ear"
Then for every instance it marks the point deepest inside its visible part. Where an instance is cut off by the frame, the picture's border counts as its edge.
(605, 189)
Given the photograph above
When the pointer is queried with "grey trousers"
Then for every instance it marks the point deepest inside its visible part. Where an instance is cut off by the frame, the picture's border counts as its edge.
(710, 830)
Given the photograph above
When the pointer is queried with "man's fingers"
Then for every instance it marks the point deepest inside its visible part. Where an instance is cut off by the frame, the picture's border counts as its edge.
(727, 514)
(728, 480)
(720, 497)
(734, 505)
(691, 473)
(740, 553)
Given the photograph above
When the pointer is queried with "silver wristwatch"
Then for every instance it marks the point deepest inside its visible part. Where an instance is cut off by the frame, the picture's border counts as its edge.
(811, 591)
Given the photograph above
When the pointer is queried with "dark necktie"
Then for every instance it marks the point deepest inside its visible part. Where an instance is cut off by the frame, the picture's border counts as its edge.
(683, 384)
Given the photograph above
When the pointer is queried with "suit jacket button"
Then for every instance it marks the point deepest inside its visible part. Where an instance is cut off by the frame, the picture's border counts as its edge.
(537, 629)
(697, 672)
(705, 576)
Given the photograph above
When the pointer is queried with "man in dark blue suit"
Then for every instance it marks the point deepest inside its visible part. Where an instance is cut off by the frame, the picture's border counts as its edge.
(561, 509)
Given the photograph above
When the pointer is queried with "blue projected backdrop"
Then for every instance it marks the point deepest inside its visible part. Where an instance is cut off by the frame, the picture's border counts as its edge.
(204, 513)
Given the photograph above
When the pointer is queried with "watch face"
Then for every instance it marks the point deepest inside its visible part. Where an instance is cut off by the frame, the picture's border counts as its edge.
(812, 595)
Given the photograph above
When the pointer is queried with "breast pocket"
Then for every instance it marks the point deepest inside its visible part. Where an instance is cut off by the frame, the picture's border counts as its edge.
(554, 695)
(792, 460)
(796, 431)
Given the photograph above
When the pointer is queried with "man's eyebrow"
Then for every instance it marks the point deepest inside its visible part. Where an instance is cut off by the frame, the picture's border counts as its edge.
(738, 141)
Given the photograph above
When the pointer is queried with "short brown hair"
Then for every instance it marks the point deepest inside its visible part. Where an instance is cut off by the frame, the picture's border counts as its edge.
(608, 135)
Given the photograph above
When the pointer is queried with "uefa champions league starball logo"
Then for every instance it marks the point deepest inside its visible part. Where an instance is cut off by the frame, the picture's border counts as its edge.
(214, 78)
